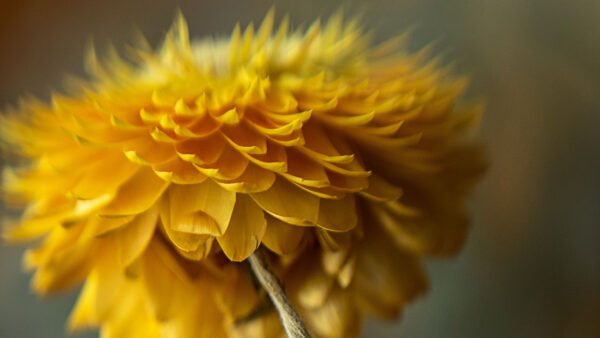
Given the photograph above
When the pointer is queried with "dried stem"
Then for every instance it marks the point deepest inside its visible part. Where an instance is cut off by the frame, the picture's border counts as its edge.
(292, 323)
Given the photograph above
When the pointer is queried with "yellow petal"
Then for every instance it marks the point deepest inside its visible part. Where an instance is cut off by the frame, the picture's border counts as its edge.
(295, 139)
(381, 190)
(104, 177)
(275, 159)
(134, 237)
(239, 297)
(191, 246)
(386, 277)
(179, 171)
(203, 127)
(136, 195)
(303, 170)
(74, 267)
(161, 274)
(282, 238)
(199, 303)
(105, 225)
(338, 317)
(347, 183)
(346, 274)
(231, 165)
(245, 139)
(268, 325)
(289, 203)
(147, 151)
(84, 313)
(334, 241)
(425, 232)
(215, 204)
(309, 284)
(333, 261)
(246, 230)
(338, 215)
(254, 179)
(230, 117)
(201, 151)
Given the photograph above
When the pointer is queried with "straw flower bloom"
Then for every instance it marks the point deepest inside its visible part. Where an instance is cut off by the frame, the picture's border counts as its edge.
(152, 181)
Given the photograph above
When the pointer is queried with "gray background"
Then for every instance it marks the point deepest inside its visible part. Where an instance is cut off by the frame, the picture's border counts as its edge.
(531, 267)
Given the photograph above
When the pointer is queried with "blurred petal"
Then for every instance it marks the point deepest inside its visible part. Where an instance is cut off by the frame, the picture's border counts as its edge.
(246, 230)
(288, 203)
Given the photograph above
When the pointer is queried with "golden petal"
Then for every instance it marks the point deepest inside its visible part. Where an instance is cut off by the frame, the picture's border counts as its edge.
(268, 325)
(338, 215)
(337, 317)
(179, 171)
(203, 127)
(246, 230)
(136, 195)
(198, 303)
(84, 313)
(190, 245)
(197, 222)
(386, 277)
(316, 104)
(395, 117)
(209, 198)
(302, 170)
(282, 238)
(182, 109)
(230, 165)
(346, 121)
(267, 126)
(381, 190)
(60, 263)
(389, 142)
(104, 225)
(296, 138)
(133, 238)
(202, 150)
(319, 144)
(347, 183)
(108, 282)
(104, 177)
(333, 261)
(385, 130)
(230, 117)
(254, 179)
(346, 274)
(309, 285)
(275, 159)
(288, 203)
(151, 117)
(424, 234)
(29, 229)
(300, 116)
(244, 139)
(334, 241)
(165, 136)
(161, 272)
(324, 192)
(147, 151)
(239, 298)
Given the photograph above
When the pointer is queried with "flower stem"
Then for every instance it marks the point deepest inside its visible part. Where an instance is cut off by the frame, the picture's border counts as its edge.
(292, 323)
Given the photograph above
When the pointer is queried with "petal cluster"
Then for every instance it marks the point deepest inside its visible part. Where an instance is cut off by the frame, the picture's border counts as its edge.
(152, 180)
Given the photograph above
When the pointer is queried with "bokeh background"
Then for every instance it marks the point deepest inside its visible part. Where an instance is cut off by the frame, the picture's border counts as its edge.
(531, 267)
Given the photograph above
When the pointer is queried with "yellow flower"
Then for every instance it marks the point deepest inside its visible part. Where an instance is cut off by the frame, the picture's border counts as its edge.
(152, 180)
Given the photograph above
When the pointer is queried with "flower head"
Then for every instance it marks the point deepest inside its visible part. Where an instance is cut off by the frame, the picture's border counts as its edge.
(154, 178)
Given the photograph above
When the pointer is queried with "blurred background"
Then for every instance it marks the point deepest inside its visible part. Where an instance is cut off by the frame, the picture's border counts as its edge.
(531, 266)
